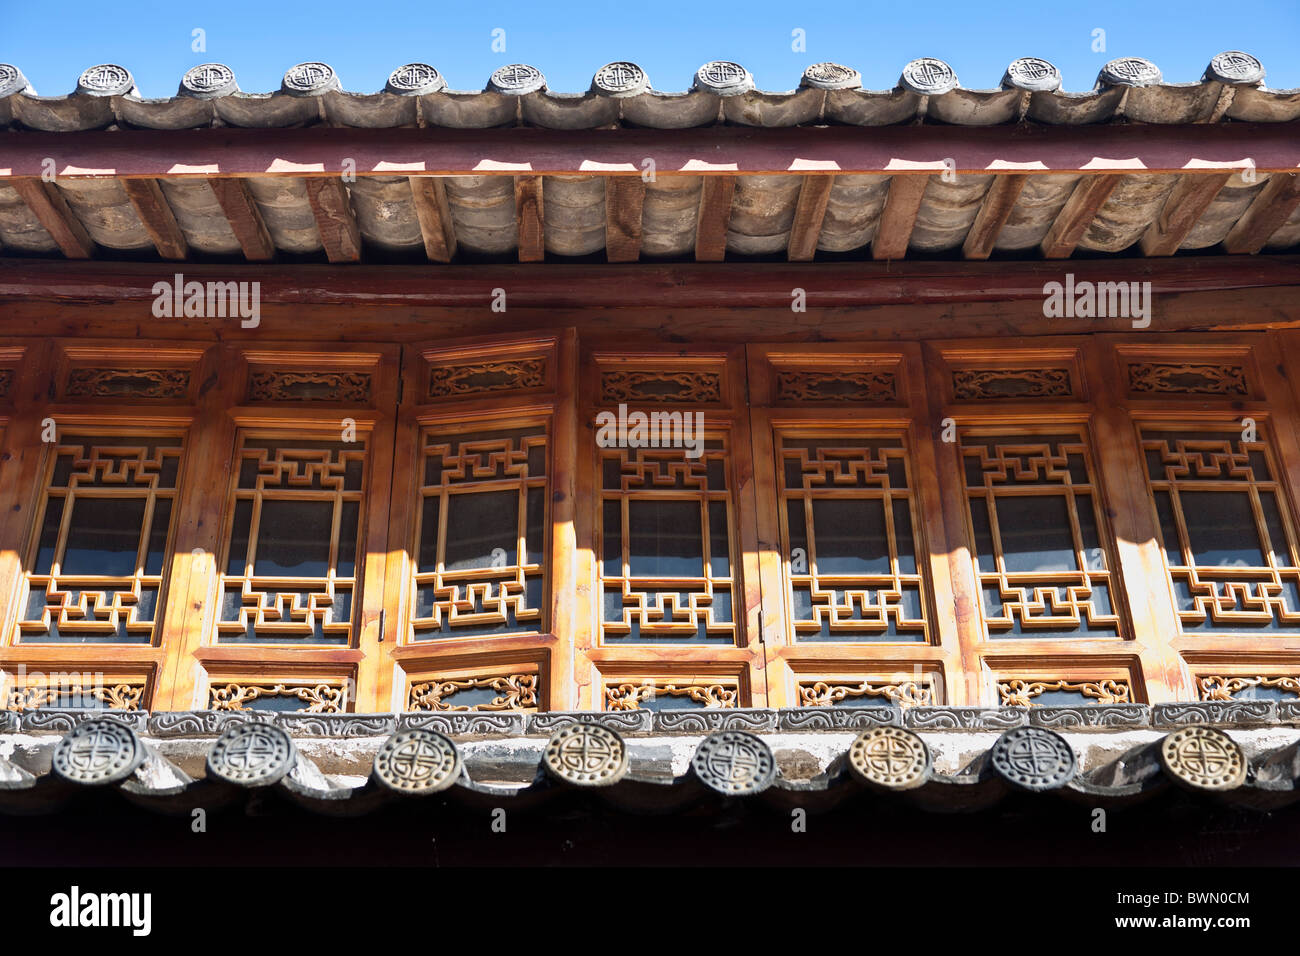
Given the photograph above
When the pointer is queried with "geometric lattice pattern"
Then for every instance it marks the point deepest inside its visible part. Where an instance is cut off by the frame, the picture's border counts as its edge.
(291, 548)
(1225, 529)
(481, 539)
(99, 562)
(851, 551)
(1040, 557)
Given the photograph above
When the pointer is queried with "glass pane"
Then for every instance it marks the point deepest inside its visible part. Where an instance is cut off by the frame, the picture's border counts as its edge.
(477, 525)
(1035, 533)
(104, 536)
(664, 539)
(1221, 528)
(293, 539)
(849, 535)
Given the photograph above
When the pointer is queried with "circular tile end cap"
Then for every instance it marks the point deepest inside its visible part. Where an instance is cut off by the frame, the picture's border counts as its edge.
(620, 79)
(12, 80)
(1203, 758)
(723, 78)
(734, 763)
(1234, 66)
(928, 77)
(1032, 73)
(831, 76)
(208, 81)
(586, 755)
(517, 79)
(97, 752)
(1129, 71)
(309, 79)
(251, 755)
(415, 79)
(1033, 758)
(106, 79)
(890, 758)
(417, 762)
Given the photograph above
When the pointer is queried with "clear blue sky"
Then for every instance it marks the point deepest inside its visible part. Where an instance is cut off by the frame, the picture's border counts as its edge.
(364, 41)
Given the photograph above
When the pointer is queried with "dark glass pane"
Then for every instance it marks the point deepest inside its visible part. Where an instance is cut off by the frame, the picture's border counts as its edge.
(719, 547)
(1168, 529)
(1259, 466)
(536, 461)
(974, 470)
(849, 534)
(897, 474)
(611, 474)
(979, 519)
(793, 474)
(239, 537)
(1093, 555)
(162, 513)
(348, 530)
(104, 536)
(796, 523)
(1078, 469)
(479, 523)
(352, 473)
(1035, 534)
(535, 534)
(612, 540)
(1276, 533)
(664, 538)
(903, 537)
(1221, 529)
(429, 534)
(717, 471)
(49, 535)
(293, 539)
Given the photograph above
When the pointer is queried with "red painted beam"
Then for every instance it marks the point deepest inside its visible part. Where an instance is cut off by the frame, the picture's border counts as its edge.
(676, 286)
(1271, 147)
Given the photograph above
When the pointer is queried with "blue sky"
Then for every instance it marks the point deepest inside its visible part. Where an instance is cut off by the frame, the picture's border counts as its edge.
(365, 41)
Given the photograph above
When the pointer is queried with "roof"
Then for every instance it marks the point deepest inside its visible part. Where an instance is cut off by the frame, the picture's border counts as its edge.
(936, 758)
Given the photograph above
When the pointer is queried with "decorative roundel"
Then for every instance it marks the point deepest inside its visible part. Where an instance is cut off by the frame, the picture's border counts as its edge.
(890, 757)
(11, 80)
(251, 755)
(1032, 73)
(1204, 758)
(417, 762)
(1233, 66)
(620, 78)
(208, 80)
(517, 79)
(586, 755)
(309, 79)
(1034, 758)
(723, 78)
(831, 76)
(415, 79)
(929, 77)
(106, 79)
(733, 762)
(1130, 71)
(97, 752)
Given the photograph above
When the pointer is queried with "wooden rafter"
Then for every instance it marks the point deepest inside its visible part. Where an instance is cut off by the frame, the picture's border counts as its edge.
(713, 218)
(1272, 207)
(1079, 211)
(1182, 210)
(994, 212)
(245, 218)
(156, 216)
(334, 219)
(624, 199)
(898, 217)
(806, 229)
(429, 194)
(530, 214)
(51, 209)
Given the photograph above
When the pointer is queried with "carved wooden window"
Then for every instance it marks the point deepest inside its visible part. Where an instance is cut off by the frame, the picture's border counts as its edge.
(849, 534)
(667, 693)
(101, 550)
(848, 692)
(1063, 693)
(290, 557)
(278, 696)
(1225, 528)
(1254, 687)
(1041, 554)
(482, 533)
(477, 692)
(79, 690)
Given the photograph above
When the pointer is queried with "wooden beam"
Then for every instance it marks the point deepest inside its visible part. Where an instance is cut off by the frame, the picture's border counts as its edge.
(1181, 211)
(530, 214)
(51, 209)
(898, 217)
(245, 218)
(624, 199)
(1272, 207)
(808, 215)
(713, 218)
(648, 286)
(157, 218)
(1080, 209)
(334, 219)
(429, 194)
(994, 212)
(314, 151)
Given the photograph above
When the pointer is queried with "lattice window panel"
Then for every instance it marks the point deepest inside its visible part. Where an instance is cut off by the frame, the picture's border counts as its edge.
(482, 534)
(849, 529)
(490, 692)
(666, 564)
(832, 692)
(99, 561)
(313, 698)
(291, 551)
(1042, 557)
(1226, 530)
(1211, 687)
(1067, 693)
(670, 694)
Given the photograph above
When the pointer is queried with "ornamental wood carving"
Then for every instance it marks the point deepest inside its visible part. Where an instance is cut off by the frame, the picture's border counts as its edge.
(500, 692)
(1021, 693)
(295, 386)
(641, 696)
(173, 383)
(1187, 378)
(992, 384)
(506, 376)
(118, 696)
(830, 693)
(868, 387)
(315, 698)
(652, 385)
(1228, 688)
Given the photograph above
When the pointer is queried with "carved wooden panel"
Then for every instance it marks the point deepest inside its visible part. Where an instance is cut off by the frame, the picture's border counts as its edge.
(486, 692)
(308, 386)
(655, 385)
(1039, 693)
(1212, 687)
(867, 693)
(669, 694)
(162, 383)
(993, 384)
(863, 387)
(76, 691)
(315, 698)
(474, 378)
(1187, 378)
